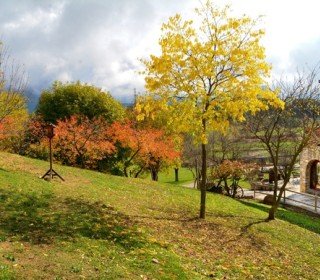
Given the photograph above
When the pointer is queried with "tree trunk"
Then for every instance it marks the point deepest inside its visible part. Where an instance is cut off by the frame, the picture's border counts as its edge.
(80, 160)
(203, 182)
(274, 206)
(154, 174)
(226, 187)
(125, 171)
(272, 212)
(139, 171)
(196, 181)
(176, 174)
(277, 199)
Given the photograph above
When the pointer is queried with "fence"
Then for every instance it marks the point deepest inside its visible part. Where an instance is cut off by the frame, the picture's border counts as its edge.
(295, 198)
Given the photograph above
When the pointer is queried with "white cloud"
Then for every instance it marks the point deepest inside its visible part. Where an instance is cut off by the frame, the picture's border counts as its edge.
(99, 41)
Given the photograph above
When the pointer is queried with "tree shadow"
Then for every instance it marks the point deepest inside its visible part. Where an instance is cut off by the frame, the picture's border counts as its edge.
(44, 219)
(246, 228)
(166, 218)
(299, 217)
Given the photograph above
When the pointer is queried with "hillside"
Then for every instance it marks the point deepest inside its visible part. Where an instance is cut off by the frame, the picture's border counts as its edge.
(96, 226)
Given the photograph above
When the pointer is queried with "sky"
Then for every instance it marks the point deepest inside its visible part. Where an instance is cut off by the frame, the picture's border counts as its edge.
(100, 41)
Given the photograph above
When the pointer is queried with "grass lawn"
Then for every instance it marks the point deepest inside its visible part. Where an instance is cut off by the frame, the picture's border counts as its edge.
(185, 176)
(96, 226)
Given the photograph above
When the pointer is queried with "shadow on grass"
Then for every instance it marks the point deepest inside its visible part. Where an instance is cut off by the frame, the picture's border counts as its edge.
(43, 219)
(303, 220)
(180, 183)
(246, 228)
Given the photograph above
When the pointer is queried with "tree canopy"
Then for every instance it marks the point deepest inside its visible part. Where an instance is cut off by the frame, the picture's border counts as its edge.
(12, 86)
(145, 149)
(64, 100)
(82, 142)
(207, 75)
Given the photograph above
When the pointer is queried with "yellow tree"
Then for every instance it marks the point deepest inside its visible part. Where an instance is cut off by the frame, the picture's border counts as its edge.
(13, 128)
(207, 75)
(12, 85)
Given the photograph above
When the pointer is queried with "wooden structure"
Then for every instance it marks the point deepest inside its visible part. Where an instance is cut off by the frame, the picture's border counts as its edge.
(49, 129)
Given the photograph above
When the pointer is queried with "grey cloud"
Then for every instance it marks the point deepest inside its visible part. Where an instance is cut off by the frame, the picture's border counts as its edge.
(93, 41)
(307, 54)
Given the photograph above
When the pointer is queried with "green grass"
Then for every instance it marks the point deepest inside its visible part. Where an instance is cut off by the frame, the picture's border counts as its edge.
(185, 176)
(96, 226)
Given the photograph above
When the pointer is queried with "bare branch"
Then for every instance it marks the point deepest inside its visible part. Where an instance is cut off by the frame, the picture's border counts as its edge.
(13, 83)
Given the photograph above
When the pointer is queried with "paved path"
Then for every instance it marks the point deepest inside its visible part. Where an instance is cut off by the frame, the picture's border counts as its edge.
(296, 198)
(301, 200)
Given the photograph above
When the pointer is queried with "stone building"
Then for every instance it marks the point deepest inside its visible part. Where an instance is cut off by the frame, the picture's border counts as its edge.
(309, 169)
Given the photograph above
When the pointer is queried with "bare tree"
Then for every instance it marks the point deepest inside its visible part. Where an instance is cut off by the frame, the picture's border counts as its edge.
(13, 83)
(286, 132)
(191, 157)
(221, 146)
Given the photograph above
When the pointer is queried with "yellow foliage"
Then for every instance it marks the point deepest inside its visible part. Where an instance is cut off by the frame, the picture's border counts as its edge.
(206, 76)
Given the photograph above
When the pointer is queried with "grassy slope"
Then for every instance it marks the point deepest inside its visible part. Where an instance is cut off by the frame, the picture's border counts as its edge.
(185, 176)
(95, 226)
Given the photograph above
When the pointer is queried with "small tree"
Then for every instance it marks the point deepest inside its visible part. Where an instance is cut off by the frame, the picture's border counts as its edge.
(82, 142)
(160, 153)
(206, 76)
(12, 85)
(191, 158)
(234, 171)
(225, 146)
(146, 148)
(220, 146)
(13, 130)
(286, 132)
(131, 141)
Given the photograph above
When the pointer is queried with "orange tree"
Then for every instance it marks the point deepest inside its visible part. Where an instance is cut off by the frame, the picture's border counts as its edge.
(145, 148)
(12, 125)
(207, 75)
(82, 142)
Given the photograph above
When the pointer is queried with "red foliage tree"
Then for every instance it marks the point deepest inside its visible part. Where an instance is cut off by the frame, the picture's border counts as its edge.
(147, 148)
(35, 129)
(6, 123)
(82, 142)
(12, 130)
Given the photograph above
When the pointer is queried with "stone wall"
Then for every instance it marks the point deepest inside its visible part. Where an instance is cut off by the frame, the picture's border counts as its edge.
(307, 157)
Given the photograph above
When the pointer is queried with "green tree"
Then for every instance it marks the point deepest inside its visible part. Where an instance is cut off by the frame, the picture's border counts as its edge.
(64, 100)
(206, 76)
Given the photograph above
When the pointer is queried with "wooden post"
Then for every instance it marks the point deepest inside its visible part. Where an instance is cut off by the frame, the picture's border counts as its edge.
(50, 158)
(176, 174)
(315, 201)
(49, 129)
(284, 196)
